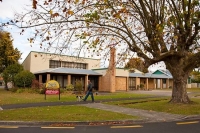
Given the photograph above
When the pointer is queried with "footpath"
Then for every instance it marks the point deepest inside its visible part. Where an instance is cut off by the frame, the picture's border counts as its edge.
(144, 115)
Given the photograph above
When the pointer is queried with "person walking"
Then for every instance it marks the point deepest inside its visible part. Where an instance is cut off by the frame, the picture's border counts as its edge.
(89, 92)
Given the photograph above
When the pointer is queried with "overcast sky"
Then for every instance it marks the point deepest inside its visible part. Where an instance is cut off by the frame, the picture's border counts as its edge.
(7, 11)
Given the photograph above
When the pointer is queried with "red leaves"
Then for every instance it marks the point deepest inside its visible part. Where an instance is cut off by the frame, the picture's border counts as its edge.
(34, 4)
(65, 9)
(46, 3)
(22, 32)
(54, 15)
(47, 38)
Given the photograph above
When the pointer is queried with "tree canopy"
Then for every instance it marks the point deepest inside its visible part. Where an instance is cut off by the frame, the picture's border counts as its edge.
(195, 76)
(10, 72)
(154, 30)
(24, 79)
(136, 63)
(8, 54)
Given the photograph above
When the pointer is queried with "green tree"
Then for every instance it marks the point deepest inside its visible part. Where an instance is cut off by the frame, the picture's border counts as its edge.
(11, 71)
(8, 55)
(136, 63)
(6, 78)
(195, 76)
(155, 30)
(24, 79)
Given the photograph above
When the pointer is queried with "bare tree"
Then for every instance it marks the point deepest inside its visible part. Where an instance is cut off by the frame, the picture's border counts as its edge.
(155, 30)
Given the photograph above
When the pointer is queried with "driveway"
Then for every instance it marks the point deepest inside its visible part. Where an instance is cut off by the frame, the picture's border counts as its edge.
(165, 93)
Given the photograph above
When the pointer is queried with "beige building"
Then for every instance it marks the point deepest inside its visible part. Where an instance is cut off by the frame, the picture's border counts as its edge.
(37, 61)
(67, 69)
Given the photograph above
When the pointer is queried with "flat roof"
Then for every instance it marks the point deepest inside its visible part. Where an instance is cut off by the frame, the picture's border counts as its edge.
(150, 75)
(64, 70)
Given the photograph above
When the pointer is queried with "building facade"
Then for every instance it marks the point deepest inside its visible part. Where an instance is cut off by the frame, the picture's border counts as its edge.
(68, 69)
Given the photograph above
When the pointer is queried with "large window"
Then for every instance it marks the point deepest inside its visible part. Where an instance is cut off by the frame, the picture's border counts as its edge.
(80, 65)
(54, 64)
(67, 64)
(74, 65)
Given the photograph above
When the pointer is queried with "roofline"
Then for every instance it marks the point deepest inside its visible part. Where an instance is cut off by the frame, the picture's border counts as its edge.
(99, 69)
(57, 55)
(162, 72)
(51, 71)
(66, 73)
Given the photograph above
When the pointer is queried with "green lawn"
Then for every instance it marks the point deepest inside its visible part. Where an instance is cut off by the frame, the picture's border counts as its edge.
(61, 113)
(80, 113)
(8, 97)
(162, 105)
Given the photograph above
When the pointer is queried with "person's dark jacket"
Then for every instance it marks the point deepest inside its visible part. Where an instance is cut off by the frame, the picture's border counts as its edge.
(90, 87)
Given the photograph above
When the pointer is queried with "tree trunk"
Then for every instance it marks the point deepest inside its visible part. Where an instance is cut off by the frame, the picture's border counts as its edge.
(6, 85)
(179, 92)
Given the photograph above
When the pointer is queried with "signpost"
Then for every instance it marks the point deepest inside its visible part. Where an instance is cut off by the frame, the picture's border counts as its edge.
(52, 88)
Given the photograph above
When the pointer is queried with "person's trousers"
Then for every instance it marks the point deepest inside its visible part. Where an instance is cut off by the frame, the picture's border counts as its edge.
(87, 94)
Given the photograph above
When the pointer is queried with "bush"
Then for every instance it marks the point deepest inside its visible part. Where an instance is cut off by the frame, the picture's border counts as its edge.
(78, 86)
(69, 87)
(13, 89)
(20, 90)
(42, 91)
(24, 79)
(36, 85)
(142, 86)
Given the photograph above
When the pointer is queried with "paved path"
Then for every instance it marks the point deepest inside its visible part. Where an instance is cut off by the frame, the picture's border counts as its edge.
(150, 116)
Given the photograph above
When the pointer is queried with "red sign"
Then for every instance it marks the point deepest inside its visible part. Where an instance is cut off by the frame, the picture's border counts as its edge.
(52, 92)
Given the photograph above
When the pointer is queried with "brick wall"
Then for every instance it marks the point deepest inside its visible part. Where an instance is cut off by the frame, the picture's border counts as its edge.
(120, 83)
(108, 80)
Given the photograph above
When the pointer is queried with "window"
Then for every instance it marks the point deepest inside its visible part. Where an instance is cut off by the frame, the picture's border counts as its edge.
(189, 80)
(67, 64)
(74, 65)
(164, 81)
(54, 64)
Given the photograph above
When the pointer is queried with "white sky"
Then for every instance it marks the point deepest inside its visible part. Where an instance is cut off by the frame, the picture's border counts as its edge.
(7, 10)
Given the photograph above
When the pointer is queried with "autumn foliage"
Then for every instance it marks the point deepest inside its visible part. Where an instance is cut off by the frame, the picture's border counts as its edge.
(154, 30)
(136, 63)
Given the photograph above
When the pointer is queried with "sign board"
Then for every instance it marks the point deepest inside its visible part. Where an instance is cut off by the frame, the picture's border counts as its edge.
(52, 88)
(52, 92)
(52, 85)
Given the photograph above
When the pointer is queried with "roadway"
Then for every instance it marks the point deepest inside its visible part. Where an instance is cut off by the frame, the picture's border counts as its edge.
(190, 126)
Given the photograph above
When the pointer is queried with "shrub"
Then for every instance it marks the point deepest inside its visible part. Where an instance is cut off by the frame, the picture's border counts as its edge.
(69, 87)
(36, 85)
(20, 90)
(78, 86)
(42, 91)
(13, 89)
(24, 79)
(43, 87)
(142, 86)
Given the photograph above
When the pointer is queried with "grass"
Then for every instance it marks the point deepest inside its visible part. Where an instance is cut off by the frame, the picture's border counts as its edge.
(193, 89)
(61, 114)
(162, 105)
(8, 97)
(80, 113)
(58, 113)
